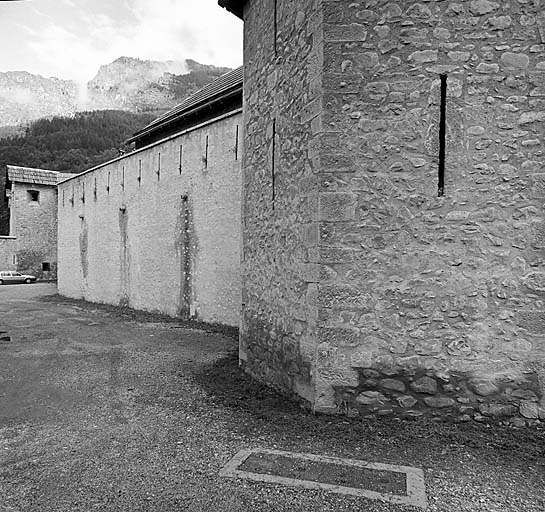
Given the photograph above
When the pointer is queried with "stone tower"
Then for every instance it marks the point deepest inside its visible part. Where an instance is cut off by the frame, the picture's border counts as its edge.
(394, 186)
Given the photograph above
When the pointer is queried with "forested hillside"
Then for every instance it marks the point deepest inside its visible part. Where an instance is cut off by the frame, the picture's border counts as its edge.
(68, 144)
(72, 144)
(181, 86)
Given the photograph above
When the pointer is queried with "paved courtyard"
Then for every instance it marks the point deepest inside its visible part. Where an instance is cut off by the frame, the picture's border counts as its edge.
(106, 409)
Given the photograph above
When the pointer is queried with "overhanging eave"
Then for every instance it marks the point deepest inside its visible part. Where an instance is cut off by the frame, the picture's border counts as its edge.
(234, 6)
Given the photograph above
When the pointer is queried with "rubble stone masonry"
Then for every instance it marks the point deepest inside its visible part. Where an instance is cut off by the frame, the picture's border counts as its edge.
(31, 247)
(367, 289)
(282, 102)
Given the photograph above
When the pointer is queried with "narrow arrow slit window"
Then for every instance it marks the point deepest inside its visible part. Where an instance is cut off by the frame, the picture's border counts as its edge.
(273, 163)
(236, 143)
(442, 137)
(275, 26)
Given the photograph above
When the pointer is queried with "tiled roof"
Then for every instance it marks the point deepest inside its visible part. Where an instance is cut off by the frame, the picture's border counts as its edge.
(35, 176)
(222, 86)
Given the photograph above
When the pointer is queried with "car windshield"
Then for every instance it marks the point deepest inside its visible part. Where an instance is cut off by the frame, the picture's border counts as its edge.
(16, 274)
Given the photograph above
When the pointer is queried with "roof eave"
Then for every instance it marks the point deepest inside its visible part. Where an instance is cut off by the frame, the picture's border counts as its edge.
(196, 108)
(19, 174)
(234, 6)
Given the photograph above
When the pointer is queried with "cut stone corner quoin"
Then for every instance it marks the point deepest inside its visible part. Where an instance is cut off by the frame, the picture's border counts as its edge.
(454, 331)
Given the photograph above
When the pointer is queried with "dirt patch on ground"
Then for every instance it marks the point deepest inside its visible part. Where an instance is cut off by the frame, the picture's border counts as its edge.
(130, 314)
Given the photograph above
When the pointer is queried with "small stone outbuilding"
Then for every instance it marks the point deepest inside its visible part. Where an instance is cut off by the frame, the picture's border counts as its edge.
(31, 246)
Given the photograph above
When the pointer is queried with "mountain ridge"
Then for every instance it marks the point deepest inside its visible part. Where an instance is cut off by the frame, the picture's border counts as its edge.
(127, 83)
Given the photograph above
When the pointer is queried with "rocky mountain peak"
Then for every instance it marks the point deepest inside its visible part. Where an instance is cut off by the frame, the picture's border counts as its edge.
(127, 83)
(130, 72)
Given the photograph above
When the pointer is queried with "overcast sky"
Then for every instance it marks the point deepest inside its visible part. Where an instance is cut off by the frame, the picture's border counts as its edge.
(70, 39)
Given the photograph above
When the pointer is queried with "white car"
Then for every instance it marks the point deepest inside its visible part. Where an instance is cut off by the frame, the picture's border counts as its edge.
(9, 277)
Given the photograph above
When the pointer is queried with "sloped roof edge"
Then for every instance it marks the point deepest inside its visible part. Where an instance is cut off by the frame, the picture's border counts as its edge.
(63, 176)
(225, 86)
(234, 6)
(31, 175)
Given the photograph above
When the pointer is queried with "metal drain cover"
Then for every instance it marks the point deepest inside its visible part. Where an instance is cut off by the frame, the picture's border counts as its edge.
(386, 482)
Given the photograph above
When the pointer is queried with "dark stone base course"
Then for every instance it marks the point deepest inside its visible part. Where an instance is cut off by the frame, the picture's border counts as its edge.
(458, 396)
(274, 357)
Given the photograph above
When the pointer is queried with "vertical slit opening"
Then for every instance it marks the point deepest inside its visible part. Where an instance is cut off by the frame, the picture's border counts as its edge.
(273, 163)
(123, 178)
(139, 172)
(442, 137)
(236, 143)
(275, 26)
(206, 154)
(158, 165)
(180, 158)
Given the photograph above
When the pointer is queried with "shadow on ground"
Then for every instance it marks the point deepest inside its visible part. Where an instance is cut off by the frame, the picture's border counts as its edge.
(256, 410)
(107, 408)
(129, 314)
(261, 410)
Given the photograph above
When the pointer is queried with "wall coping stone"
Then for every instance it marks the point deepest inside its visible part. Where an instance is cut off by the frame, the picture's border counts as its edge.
(156, 143)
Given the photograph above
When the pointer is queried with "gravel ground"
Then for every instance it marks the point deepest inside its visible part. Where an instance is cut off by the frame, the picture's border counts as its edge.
(103, 408)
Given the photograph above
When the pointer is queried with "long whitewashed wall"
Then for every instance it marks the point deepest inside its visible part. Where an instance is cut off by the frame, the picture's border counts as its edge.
(159, 229)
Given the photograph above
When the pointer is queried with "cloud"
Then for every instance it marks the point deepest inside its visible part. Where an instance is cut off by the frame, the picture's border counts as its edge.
(204, 32)
(80, 38)
(63, 53)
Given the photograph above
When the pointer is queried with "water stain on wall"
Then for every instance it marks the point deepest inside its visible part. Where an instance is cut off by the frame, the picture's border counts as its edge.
(83, 249)
(124, 257)
(185, 241)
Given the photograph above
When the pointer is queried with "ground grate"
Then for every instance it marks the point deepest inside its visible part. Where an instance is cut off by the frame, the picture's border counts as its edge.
(386, 482)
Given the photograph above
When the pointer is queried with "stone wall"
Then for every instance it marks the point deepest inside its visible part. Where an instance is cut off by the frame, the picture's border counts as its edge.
(33, 233)
(365, 291)
(433, 304)
(8, 253)
(4, 207)
(159, 229)
(280, 234)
